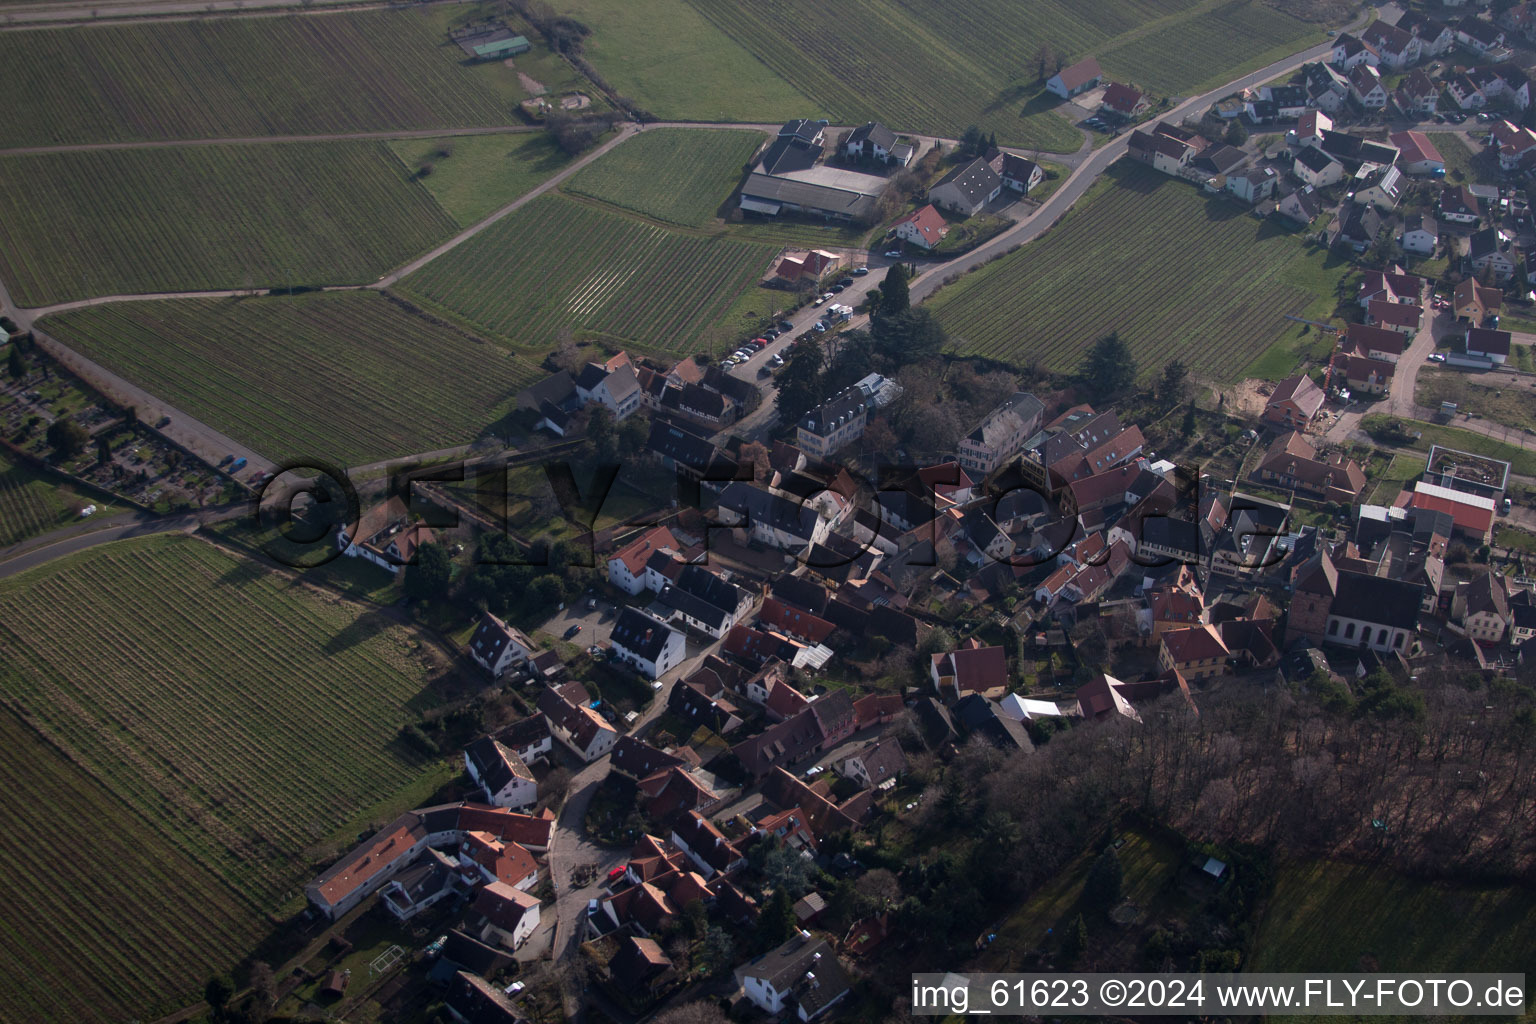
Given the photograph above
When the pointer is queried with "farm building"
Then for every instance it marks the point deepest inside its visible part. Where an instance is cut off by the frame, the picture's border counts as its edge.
(493, 44)
(1079, 78)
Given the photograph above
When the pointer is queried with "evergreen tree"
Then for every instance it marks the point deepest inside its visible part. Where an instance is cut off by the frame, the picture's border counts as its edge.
(15, 365)
(894, 297)
(1171, 387)
(67, 437)
(970, 142)
(778, 922)
(1189, 419)
(600, 432)
(1074, 939)
(1109, 369)
(1102, 889)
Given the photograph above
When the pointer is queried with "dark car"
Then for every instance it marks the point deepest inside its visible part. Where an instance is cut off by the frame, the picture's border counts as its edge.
(845, 282)
(771, 333)
(165, 421)
(765, 372)
(786, 326)
(837, 288)
(573, 631)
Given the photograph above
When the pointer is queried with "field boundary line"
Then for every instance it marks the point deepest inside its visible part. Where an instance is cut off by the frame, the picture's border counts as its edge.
(382, 135)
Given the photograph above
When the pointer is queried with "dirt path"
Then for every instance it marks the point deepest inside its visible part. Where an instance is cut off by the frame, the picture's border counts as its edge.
(258, 140)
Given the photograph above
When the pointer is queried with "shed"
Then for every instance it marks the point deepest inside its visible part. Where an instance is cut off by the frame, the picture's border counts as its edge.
(1215, 868)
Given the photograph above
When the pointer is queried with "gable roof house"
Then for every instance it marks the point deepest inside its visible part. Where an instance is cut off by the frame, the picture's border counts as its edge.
(1417, 154)
(1435, 37)
(1075, 78)
(1458, 204)
(971, 669)
(645, 642)
(1396, 47)
(1123, 101)
(503, 776)
(870, 141)
(1482, 606)
(1294, 403)
(1491, 250)
(924, 228)
(1293, 463)
(1018, 173)
(1316, 168)
(615, 387)
(1349, 52)
(1417, 95)
(1421, 235)
(383, 536)
(1000, 435)
(1366, 87)
(967, 189)
(573, 722)
(1254, 185)
(1478, 35)
(1326, 87)
(1357, 226)
(1375, 612)
(1165, 148)
(803, 974)
(627, 566)
(1474, 301)
(1395, 316)
(1195, 652)
(1492, 345)
(774, 520)
(1301, 206)
(497, 646)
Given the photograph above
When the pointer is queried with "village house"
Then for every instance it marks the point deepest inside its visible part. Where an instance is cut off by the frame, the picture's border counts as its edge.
(1349, 53)
(1018, 173)
(1301, 206)
(1316, 168)
(613, 385)
(1421, 235)
(1417, 154)
(1482, 606)
(1475, 302)
(1485, 343)
(1417, 96)
(1401, 317)
(971, 669)
(508, 915)
(803, 974)
(1478, 35)
(1435, 37)
(1459, 205)
(1253, 186)
(1294, 403)
(1123, 102)
(497, 770)
(498, 647)
(384, 536)
(772, 519)
(1374, 342)
(875, 765)
(1293, 463)
(1195, 652)
(806, 264)
(924, 228)
(643, 641)
(1167, 148)
(1364, 374)
(1395, 47)
(870, 141)
(1491, 250)
(1366, 87)
(1076, 78)
(1000, 435)
(967, 189)
(627, 566)
(573, 721)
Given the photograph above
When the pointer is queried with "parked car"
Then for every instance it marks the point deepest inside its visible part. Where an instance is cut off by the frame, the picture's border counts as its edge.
(1437, 357)
(771, 333)
(226, 460)
(786, 326)
(860, 271)
(764, 371)
(815, 769)
(777, 360)
(894, 254)
(89, 510)
(821, 326)
(237, 465)
(573, 631)
(759, 343)
(821, 298)
(165, 421)
(837, 288)
(845, 282)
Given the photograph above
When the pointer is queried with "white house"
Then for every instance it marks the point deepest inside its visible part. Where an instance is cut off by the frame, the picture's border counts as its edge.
(803, 973)
(575, 723)
(837, 422)
(1078, 78)
(498, 647)
(383, 536)
(1374, 611)
(1366, 89)
(508, 914)
(627, 566)
(498, 770)
(870, 141)
(1317, 168)
(612, 385)
(967, 189)
(645, 642)
(1420, 235)
(1253, 186)
(923, 228)
(772, 519)
(1018, 173)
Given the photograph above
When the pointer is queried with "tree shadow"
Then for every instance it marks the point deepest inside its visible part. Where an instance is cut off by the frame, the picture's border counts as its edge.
(365, 626)
(241, 573)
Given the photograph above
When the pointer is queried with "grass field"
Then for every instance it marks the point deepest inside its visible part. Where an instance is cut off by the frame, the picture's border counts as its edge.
(30, 503)
(348, 376)
(679, 175)
(111, 222)
(1473, 166)
(558, 264)
(1109, 266)
(238, 77)
(203, 753)
(1328, 916)
(1521, 460)
(1399, 471)
(1493, 399)
(922, 67)
(480, 173)
(672, 61)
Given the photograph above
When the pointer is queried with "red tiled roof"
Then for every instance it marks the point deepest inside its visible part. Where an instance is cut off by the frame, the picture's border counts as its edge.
(1084, 70)
(1415, 147)
(1121, 98)
(781, 616)
(637, 552)
(974, 669)
(929, 223)
(1197, 643)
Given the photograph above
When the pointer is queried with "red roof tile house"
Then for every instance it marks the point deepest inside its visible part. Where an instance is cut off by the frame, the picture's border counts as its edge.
(1196, 653)
(1075, 79)
(1293, 463)
(626, 567)
(1374, 342)
(383, 536)
(971, 669)
(1395, 316)
(1123, 101)
(1363, 374)
(924, 228)
(1294, 403)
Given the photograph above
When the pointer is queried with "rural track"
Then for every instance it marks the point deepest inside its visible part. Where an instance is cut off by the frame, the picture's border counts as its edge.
(385, 135)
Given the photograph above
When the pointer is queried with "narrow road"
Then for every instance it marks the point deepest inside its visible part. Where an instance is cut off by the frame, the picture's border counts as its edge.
(1071, 190)
(69, 540)
(21, 15)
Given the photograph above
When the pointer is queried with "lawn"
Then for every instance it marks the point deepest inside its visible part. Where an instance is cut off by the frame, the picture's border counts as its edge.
(1521, 460)
(1462, 163)
(1331, 916)
(1399, 471)
(350, 377)
(1111, 266)
(679, 175)
(1296, 343)
(930, 68)
(189, 760)
(30, 503)
(238, 77)
(473, 176)
(114, 222)
(558, 265)
(672, 61)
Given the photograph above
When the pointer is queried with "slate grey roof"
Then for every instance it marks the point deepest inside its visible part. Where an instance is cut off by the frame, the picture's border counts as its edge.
(495, 764)
(640, 633)
(766, 187)
(1378, 600)
(876, 133)
(975, 180)
(829, 415)
(786, 967)
(760, 506)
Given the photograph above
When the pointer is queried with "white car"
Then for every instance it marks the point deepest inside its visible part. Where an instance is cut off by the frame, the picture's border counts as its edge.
(814, 770)
(894, 254)
(89, 510)
(1437, 357)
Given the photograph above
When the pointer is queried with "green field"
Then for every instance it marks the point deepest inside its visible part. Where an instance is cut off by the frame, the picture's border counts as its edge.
(1400, 469)
(30, 503)
(480, 173)
(347, 376)
(1521, 460)
(202, 754)
(1178, 275)
(238, 77)
(113, 222)
(557, 264)
(1473, 167)
(679, 175)
(922, 66)
(673, 62)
